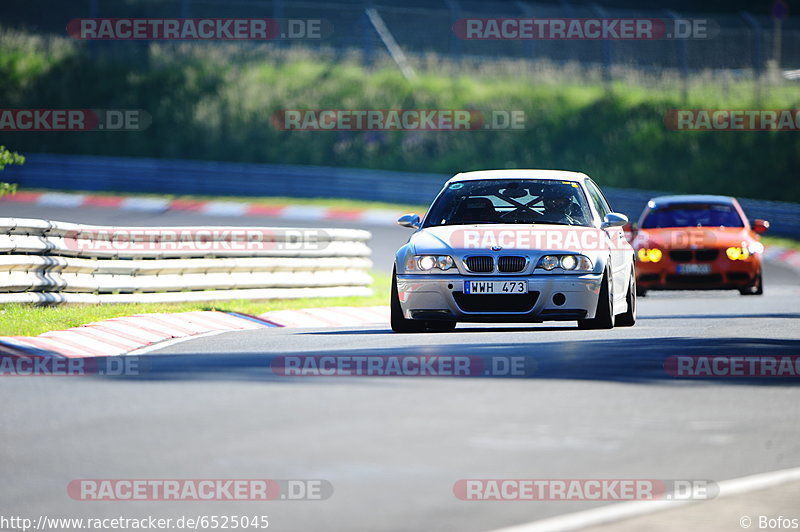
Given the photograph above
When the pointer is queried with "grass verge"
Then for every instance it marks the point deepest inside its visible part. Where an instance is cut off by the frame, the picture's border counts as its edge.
(30, 320)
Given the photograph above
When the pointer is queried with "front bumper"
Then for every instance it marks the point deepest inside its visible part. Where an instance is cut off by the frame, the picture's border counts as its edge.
(550, 297)
(724, 274)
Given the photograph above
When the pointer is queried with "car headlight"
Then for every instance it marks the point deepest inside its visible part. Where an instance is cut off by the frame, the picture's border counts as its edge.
(426, 263)
(738, 253)
(445, 262)
(548, 262)
(565, 262)
(649, 254)
(568, 262)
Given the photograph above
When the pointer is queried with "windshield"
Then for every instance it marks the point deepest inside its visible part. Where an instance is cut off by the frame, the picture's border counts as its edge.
(695, 215)
(510, 201)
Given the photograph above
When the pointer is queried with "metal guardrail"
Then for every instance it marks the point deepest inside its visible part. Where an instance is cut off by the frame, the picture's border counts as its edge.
(169, 176)
(43, 261)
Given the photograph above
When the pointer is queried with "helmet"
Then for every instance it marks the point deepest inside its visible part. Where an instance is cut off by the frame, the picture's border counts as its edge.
(557, 199)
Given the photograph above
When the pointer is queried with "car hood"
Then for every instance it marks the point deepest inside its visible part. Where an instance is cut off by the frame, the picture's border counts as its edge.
(510, 237)
(692, 237)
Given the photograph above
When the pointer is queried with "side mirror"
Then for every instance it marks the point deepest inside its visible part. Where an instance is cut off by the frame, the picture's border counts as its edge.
(410, 220)
(760, 226)
(614, 219)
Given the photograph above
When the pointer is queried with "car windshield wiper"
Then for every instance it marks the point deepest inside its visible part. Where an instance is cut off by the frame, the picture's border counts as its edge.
(475, 223)
(546, 223)
(464, 223)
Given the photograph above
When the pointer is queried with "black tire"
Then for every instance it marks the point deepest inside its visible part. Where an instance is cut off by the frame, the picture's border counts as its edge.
(628, 318)
(399, 323)
(756, 289)
(640, 292)
(604, 315)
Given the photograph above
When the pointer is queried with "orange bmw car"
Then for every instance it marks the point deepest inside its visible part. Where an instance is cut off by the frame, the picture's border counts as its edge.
(698, 242)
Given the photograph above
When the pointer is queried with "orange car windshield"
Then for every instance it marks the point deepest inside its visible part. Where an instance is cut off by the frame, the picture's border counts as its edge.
(694, 215)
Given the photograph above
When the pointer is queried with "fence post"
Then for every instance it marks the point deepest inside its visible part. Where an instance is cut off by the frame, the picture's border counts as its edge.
(92, 45)
(607, 51)
(683, 58)
(366, 33)
(391, 44)
(278, 14)
(758, 61)
(528, 12)
(455, 42)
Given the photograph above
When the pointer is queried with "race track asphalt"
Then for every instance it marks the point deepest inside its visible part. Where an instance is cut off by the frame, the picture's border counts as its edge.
(592, 404)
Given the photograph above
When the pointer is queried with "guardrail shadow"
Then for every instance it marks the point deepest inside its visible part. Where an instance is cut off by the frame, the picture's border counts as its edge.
(634, 360)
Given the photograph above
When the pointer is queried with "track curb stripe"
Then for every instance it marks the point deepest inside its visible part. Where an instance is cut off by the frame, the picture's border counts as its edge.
(329, 317)
(208, 208)
(115, 326)
(118, 336)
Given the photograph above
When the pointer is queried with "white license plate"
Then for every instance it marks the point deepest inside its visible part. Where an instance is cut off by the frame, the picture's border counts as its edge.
(694, 269)
(495, 287)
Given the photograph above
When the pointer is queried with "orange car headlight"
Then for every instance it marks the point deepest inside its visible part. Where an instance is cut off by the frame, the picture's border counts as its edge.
(737, 253)
(649, 254)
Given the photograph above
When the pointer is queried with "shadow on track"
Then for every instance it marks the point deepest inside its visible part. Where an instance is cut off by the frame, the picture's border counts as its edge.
(623, 360)
(721, 316)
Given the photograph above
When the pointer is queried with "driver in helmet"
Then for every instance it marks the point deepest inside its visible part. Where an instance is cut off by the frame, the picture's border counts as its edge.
(558, 206)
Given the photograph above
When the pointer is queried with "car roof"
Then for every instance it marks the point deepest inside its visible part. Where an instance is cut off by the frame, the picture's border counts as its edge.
(555, 175)
(662, 201)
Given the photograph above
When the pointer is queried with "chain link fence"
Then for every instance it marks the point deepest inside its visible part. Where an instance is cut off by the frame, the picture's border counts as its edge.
(744, 45)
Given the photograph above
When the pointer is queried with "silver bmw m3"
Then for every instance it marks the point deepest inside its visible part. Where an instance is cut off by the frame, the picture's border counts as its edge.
(515, 246)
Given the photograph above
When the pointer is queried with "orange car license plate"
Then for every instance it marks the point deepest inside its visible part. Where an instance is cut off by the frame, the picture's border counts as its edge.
(694, 269)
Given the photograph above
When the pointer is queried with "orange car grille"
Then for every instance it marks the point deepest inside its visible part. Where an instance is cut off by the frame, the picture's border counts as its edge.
(698, 255)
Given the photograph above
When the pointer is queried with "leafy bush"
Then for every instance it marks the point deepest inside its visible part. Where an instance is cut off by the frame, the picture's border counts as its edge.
(6, 158)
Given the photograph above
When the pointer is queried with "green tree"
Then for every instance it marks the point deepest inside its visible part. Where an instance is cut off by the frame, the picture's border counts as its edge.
(9, 157)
